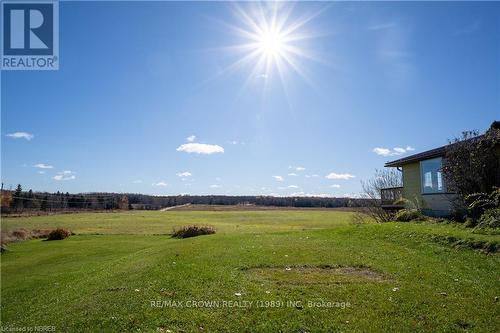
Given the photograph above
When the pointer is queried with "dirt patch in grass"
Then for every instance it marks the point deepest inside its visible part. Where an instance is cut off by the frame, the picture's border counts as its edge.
(317, 275)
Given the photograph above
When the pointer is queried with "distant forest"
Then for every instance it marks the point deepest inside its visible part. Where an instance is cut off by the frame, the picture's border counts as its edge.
(19, 201)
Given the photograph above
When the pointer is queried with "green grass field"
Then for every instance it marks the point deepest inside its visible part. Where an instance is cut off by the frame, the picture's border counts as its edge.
(288, 271)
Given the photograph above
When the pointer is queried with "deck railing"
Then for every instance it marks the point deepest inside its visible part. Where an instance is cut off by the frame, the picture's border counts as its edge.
(390, 195)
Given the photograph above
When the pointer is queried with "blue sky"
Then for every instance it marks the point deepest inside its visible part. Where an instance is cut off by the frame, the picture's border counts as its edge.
(148, 97)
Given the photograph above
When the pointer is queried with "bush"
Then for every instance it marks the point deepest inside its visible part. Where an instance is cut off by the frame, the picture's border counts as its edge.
(458, 215)
(478, 203)
(59, 234)
(490, 218)
(406, 215)
(471, 164)
(193, 231)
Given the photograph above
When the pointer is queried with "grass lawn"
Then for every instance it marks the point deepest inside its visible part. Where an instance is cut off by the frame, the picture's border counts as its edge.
(288, 271)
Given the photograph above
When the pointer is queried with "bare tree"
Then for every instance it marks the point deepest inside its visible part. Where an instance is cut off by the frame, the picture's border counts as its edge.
(372, 189)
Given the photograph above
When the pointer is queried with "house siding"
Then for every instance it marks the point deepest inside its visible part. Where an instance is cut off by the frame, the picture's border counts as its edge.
(411, 182)
(435, 204)
(438, 204)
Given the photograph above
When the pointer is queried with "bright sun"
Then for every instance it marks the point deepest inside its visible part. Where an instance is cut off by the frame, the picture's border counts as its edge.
(273, 41)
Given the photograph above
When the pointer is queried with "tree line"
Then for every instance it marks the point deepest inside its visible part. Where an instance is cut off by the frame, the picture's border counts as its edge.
(18, 201)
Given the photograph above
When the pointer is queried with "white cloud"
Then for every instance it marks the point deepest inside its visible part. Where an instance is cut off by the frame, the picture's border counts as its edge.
(279, 178)
(161, 183)
(215, 186)
(293, 174)
(42, 166)
(399, 150)
(191, 138)
(234, 142)
(354, 195)
(137, 181)
(300, 168)
(293, 186)
(392, 152)
(308, 176)
(184, 174)
(304, 194)
(344, 176)
(200, 148)
(41, 172)
(64, 175)
(315, 175)
(335, 185)
(21, 135)
(382, 151)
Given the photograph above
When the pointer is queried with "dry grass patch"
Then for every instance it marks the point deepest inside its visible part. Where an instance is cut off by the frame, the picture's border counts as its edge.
(25, 234)
(320, 275)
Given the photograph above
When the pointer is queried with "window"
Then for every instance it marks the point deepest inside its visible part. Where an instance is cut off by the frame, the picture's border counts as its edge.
(432, 177)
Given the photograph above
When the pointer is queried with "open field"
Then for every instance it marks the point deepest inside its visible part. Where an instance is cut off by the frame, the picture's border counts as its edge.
(377, 277)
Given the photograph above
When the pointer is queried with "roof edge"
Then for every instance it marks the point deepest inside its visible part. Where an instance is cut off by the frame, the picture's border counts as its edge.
(425, 155)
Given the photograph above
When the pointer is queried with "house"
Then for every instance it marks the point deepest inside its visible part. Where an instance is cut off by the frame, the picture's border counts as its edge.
(423, 183)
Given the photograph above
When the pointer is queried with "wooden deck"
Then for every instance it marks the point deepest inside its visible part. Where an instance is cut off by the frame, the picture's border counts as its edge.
(390, 196)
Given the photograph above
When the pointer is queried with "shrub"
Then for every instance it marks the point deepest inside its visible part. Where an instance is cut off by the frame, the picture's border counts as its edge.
(59, 234)
(406, 215)
(471, 164)
(458, 215)
(193, 231)
(480, 202)
(490, 218)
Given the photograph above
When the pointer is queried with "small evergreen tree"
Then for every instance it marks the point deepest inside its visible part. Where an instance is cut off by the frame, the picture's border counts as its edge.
(17, 203)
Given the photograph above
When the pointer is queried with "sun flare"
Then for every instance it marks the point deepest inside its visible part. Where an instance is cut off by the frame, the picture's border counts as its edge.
(273, 42)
